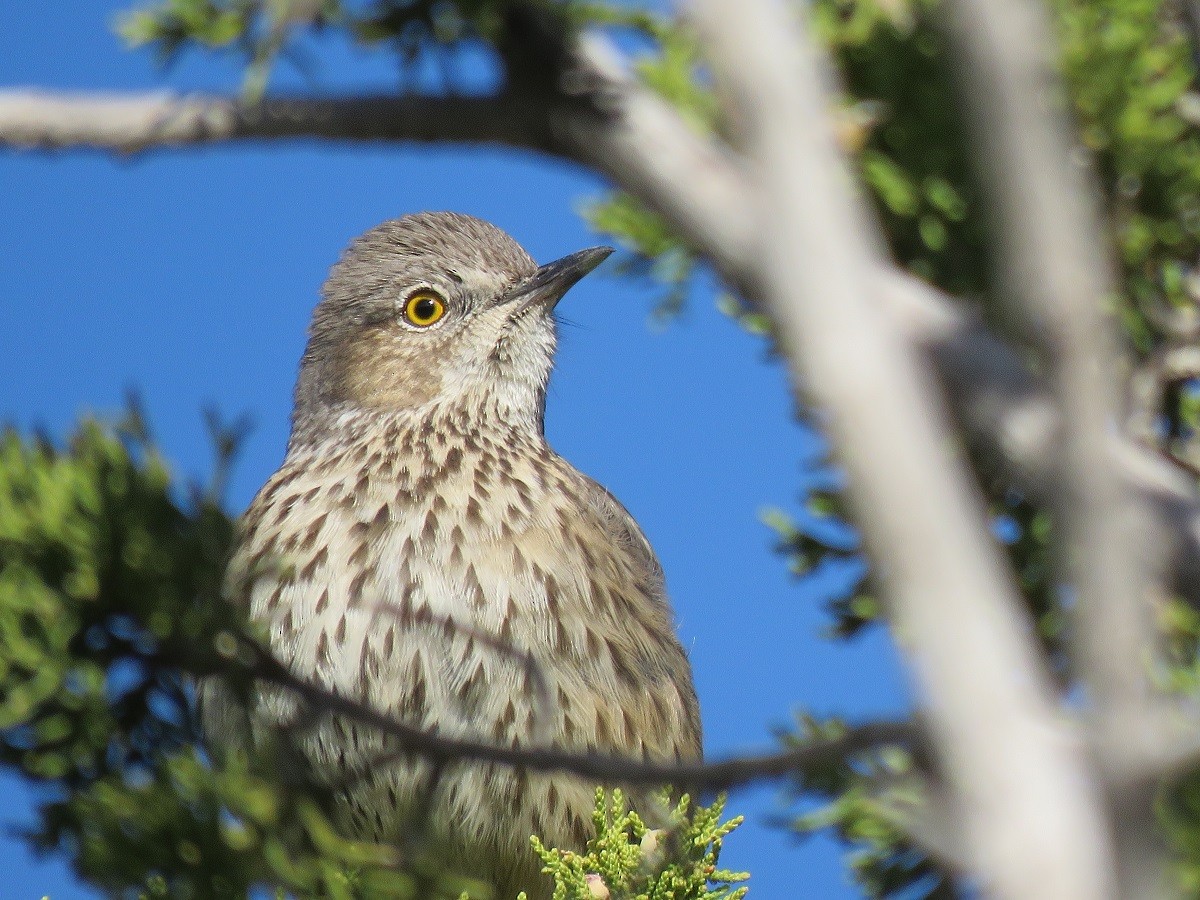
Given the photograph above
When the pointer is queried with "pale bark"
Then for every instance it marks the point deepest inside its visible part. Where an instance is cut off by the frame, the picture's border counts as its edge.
(1032, 817)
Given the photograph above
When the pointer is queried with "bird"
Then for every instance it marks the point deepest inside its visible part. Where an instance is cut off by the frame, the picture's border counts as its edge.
(424, 551)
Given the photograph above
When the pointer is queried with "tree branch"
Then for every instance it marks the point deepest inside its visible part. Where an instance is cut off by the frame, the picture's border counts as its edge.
(1018, 777)
(129, 123)
(643, 145)
(1004, 409)
(1056, 279)
(691, 776)
(694, 183)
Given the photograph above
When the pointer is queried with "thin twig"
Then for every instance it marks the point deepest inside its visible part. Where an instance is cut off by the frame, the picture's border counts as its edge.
(131, 123)
(696, 776)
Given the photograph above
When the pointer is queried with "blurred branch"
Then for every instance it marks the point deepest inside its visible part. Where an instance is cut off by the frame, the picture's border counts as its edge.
(1018, 778)
(696, 185)
(1162, 744)
(131, 123)
(1057, 281)
(926, 817)
(1006, 410)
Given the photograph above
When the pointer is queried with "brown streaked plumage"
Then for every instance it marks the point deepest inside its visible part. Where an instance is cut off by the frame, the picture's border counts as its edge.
(420, 517)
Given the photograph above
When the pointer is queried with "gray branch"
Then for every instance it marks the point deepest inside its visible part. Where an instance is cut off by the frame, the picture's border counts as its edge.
(129, 123)
(1033, 824)
(640, 142)
(1057, 280)
(814, 754)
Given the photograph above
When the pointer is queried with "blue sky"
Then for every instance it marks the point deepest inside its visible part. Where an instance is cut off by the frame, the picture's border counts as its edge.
(190, 277)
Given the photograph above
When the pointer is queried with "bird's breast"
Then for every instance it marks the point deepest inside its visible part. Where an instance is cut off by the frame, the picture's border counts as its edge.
(426, 588)
(481, 591)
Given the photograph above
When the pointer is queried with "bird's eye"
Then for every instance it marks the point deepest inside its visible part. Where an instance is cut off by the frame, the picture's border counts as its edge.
(424, 308)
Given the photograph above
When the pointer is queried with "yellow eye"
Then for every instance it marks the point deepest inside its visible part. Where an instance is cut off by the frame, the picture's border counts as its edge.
(424, 308)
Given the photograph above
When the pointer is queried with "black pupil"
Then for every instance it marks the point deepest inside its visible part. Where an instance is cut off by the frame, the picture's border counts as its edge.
(425, 309)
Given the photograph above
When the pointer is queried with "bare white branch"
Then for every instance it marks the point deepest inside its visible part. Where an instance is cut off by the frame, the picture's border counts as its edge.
(1005, 409)
(1034, 824)
(1057, 279)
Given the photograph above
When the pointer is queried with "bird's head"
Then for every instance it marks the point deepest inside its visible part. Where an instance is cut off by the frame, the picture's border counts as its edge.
(431, 309)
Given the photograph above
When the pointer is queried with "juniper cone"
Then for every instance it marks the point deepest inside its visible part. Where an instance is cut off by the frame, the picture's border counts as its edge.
(426, 524)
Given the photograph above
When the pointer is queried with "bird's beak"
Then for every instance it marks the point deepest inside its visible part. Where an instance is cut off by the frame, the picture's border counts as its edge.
(547, 285)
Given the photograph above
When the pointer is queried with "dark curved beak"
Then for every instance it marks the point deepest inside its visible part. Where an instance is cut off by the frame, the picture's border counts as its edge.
(547, 285)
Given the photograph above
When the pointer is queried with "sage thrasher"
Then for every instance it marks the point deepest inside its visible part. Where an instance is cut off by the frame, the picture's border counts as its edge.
(430, 542)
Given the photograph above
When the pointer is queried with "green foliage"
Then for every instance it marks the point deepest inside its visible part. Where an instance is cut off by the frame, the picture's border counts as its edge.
(1179, 803)
(175, 23)
(629, 861)
(260, 31)
(820, 542)
(257, 29)
(109, 604)
(99, 574)
(896, 119)
(864, 799)
(911, 149)
(1132, 83)
(651, 249)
